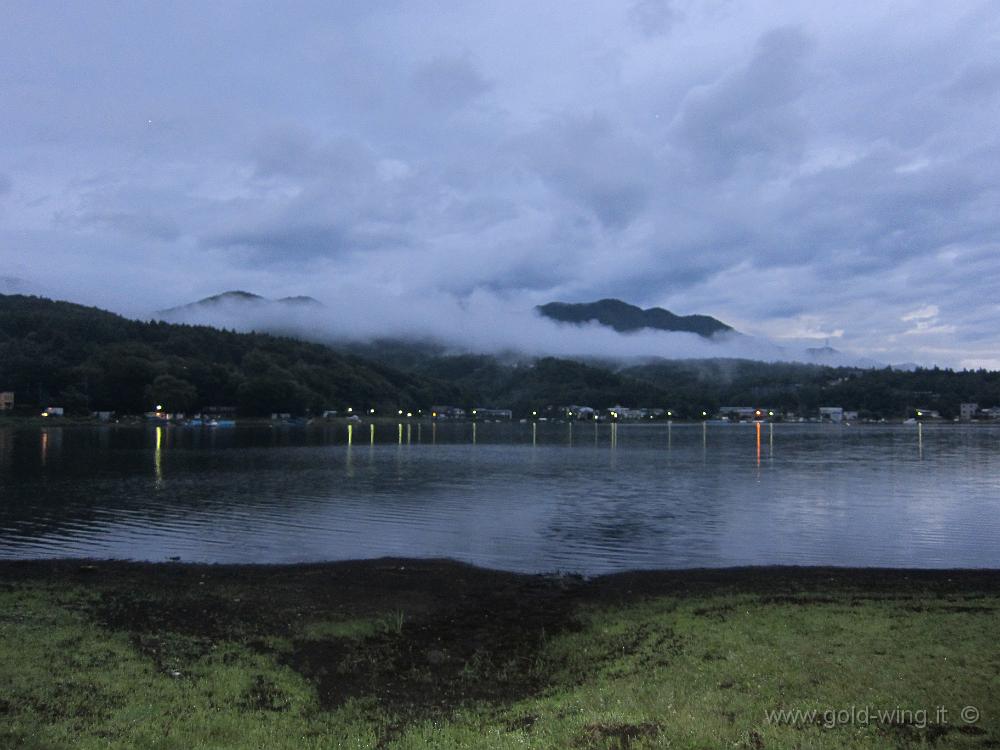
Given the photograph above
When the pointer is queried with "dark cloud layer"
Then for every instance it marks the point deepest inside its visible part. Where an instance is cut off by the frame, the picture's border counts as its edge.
(804, 172)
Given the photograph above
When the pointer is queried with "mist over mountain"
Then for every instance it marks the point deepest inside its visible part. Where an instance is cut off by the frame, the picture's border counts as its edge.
(236, 298)
(84, 358)
(485, 323)
(626, 318)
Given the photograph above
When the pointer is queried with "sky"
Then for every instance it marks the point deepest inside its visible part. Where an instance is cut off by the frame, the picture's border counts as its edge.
(805, 172)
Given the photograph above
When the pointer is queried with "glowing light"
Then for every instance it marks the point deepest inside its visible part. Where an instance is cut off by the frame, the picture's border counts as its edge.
(704, 414)
(409, 413)
(371, 411)
(45, 414)
(770, 414)
(400, 412)
(349, 409)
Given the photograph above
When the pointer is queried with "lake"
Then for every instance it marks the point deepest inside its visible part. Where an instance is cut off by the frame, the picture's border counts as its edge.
(537, 498)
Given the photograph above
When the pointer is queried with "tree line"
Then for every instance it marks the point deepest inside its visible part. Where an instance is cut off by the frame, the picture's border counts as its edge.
(85, 359)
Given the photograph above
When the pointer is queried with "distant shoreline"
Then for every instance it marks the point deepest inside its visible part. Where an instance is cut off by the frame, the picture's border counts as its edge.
(668, 578)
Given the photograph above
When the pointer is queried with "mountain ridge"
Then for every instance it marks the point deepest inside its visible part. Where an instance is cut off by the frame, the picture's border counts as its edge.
(626, 318)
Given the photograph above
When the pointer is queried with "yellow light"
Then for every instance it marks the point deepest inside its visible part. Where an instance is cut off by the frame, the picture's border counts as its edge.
(704, 414)
(434, 413)
(159, 407)
(349, 409)
(45, 414)
(400, 412)
(920, 414)
(770, 414)
(371, 411)
(409, 413)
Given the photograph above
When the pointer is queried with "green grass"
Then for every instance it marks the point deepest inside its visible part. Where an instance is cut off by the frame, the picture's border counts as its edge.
(679, 669)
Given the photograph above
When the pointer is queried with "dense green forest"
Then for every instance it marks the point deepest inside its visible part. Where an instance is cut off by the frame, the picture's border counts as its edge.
(86, 359)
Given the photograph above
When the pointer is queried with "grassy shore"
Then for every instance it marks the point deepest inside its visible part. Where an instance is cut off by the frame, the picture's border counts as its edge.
(414, 654)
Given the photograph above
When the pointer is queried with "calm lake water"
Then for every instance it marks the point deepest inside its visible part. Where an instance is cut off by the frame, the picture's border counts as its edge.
(589, 498)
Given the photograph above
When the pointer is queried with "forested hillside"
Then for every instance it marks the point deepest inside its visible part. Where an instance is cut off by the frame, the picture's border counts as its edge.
(87, 359)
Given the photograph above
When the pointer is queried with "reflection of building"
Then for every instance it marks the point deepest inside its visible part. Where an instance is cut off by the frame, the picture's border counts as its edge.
(6, 448)
(967, 411)
(831, 414)
(6, 400)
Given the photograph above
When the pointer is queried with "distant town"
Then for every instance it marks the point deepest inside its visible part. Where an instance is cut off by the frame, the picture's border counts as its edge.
(215, 416)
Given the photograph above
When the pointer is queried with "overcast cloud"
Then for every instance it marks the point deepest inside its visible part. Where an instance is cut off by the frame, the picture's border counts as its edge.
(802, 171)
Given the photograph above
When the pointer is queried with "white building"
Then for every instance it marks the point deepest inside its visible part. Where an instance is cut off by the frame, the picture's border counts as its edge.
(831, 414)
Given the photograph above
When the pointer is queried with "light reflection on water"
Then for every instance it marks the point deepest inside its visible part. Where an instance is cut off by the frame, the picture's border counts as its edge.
(530, 497)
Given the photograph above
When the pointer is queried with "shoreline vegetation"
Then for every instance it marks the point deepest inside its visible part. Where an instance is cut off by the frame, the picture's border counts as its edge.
(393, 653)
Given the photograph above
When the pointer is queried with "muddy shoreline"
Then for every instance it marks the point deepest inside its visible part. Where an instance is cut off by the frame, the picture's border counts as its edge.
(412, 641)
(374, 580)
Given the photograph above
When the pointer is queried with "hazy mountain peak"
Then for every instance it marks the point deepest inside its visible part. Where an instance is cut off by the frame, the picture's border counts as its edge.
(239, 297)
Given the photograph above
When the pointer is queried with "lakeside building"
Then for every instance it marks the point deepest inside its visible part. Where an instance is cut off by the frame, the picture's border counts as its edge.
(6, 400)
(481, 413)
(967, 412)
(623, 412)
(216, 412)
(747, 413)
(442, 411)
(831, 414)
